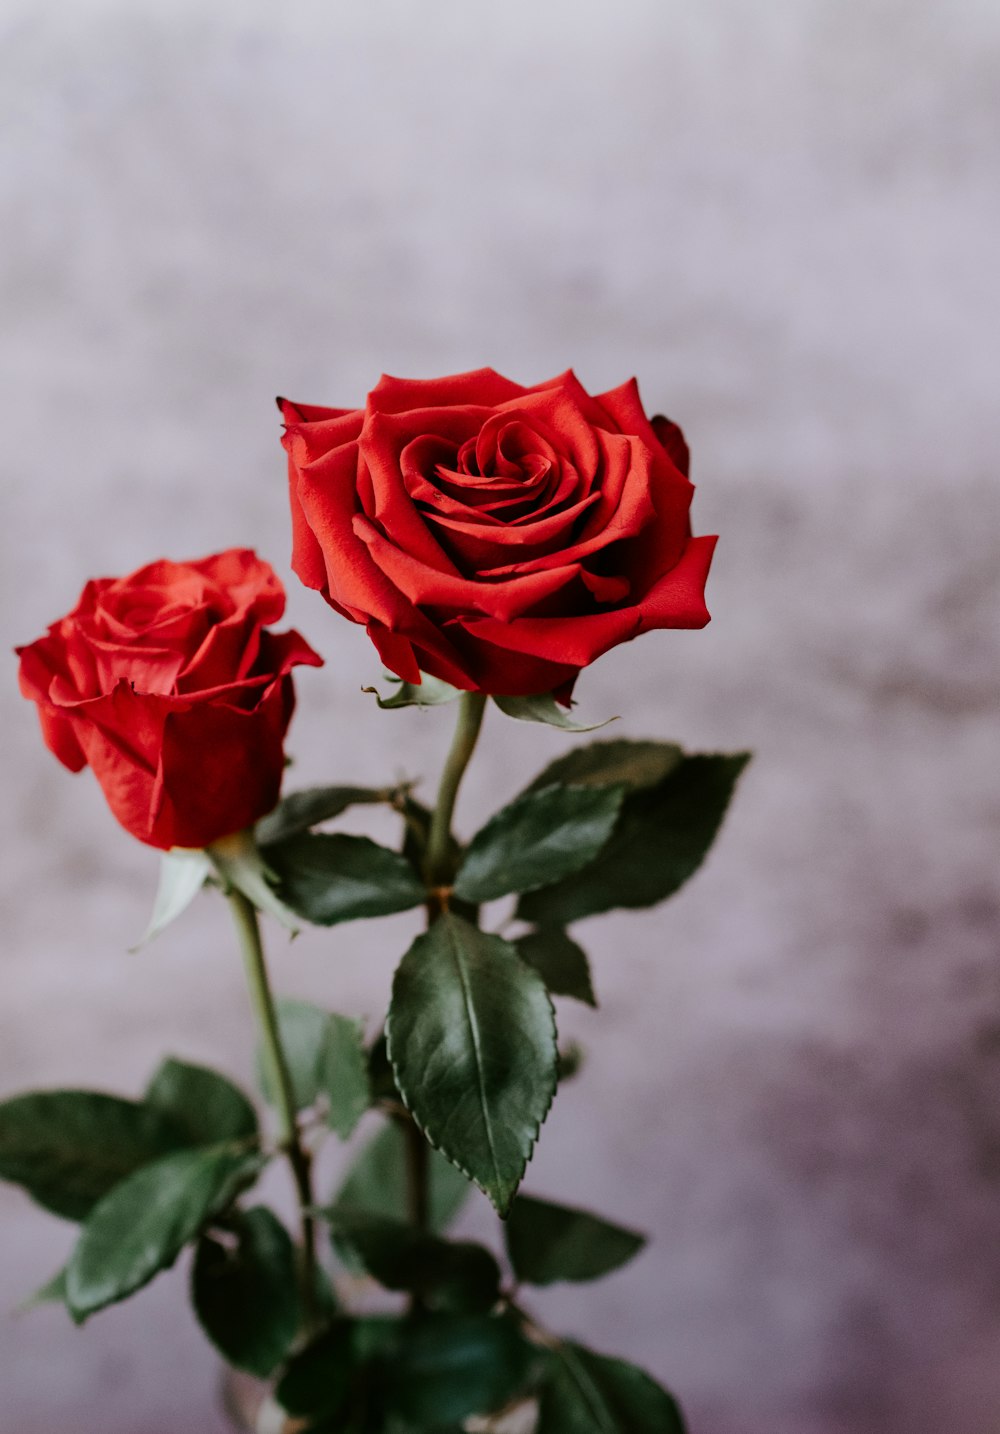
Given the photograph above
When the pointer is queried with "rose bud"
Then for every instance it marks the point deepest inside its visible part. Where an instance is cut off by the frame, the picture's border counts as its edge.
(168, 684)
(497, 537)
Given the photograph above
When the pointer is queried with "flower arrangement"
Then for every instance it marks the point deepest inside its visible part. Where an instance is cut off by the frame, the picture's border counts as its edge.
(494, 540)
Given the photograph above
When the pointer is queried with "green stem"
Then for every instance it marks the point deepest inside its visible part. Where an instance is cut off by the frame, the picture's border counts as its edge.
(471, 707)
(418, 1193)
(279, 1084)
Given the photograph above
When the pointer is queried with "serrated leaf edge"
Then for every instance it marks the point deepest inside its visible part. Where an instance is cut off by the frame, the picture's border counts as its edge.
(530, 799)
(502, 1207)
(239, 1179)
(744, 759)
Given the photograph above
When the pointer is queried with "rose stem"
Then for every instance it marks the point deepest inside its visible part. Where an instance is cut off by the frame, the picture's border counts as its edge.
(417, 1176)
(472, 705)
(279, 1085)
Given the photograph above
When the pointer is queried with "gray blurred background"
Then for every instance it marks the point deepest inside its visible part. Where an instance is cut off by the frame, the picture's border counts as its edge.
(784, 219)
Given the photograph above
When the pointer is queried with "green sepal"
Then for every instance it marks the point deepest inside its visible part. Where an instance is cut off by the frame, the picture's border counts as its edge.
(329, 877)
(429, 692)
(376, 1183)
(68, 1148)
(326, 1060)
(537, 840)
(545, 708)
(301, 811)
(140, 1227)
(662, 837)
(547, 1243)
(445, 1275)
(623, 762)
(560, 962)
(588, 1393)
(245, 1294)
(183, 872)
(472, 1040)
(206, 1106)
(241, 867)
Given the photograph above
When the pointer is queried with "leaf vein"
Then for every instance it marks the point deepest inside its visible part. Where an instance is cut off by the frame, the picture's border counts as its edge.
(589, 1391)
(471, 1017)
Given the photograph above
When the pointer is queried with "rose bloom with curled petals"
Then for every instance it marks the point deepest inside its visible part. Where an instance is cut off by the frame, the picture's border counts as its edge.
(495, 536)
(169, 686)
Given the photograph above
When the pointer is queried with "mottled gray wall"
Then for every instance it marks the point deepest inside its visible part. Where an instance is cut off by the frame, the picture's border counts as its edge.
(784, 219)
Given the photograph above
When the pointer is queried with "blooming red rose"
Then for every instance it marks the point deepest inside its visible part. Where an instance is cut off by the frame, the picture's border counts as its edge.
(168, 685)
(495, 536)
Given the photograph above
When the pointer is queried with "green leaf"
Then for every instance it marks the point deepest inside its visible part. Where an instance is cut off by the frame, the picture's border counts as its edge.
(302, 1028)
(376, 1183)
(472, 1041)
(67, 1148)
(662, 837)
(430, 692)
(331, 877)
(245, 1295)
(183, 873)
(446, 1275)
(326, 1058)
(635, 765)
(560, 962)
(545, 708)
(587, 1393)
(344, 1074)
(206, 1106)
(549, 1242)
(447, 1367)
(241, 867)
(318, 1379)
(300, 811)
(428, 1373)
(53, 1292)
(537, 840)
(141, 1226)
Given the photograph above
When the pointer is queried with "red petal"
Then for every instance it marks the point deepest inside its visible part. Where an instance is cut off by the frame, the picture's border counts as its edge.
(676, 601)
(430, 587)
(673, 442)
(221, 769)
(483, 386)
(309, 412)
(308, 440)
(572, 641)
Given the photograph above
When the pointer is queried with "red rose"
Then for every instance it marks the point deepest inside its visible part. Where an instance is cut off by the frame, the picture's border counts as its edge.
(167, 684)
(495, 536)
